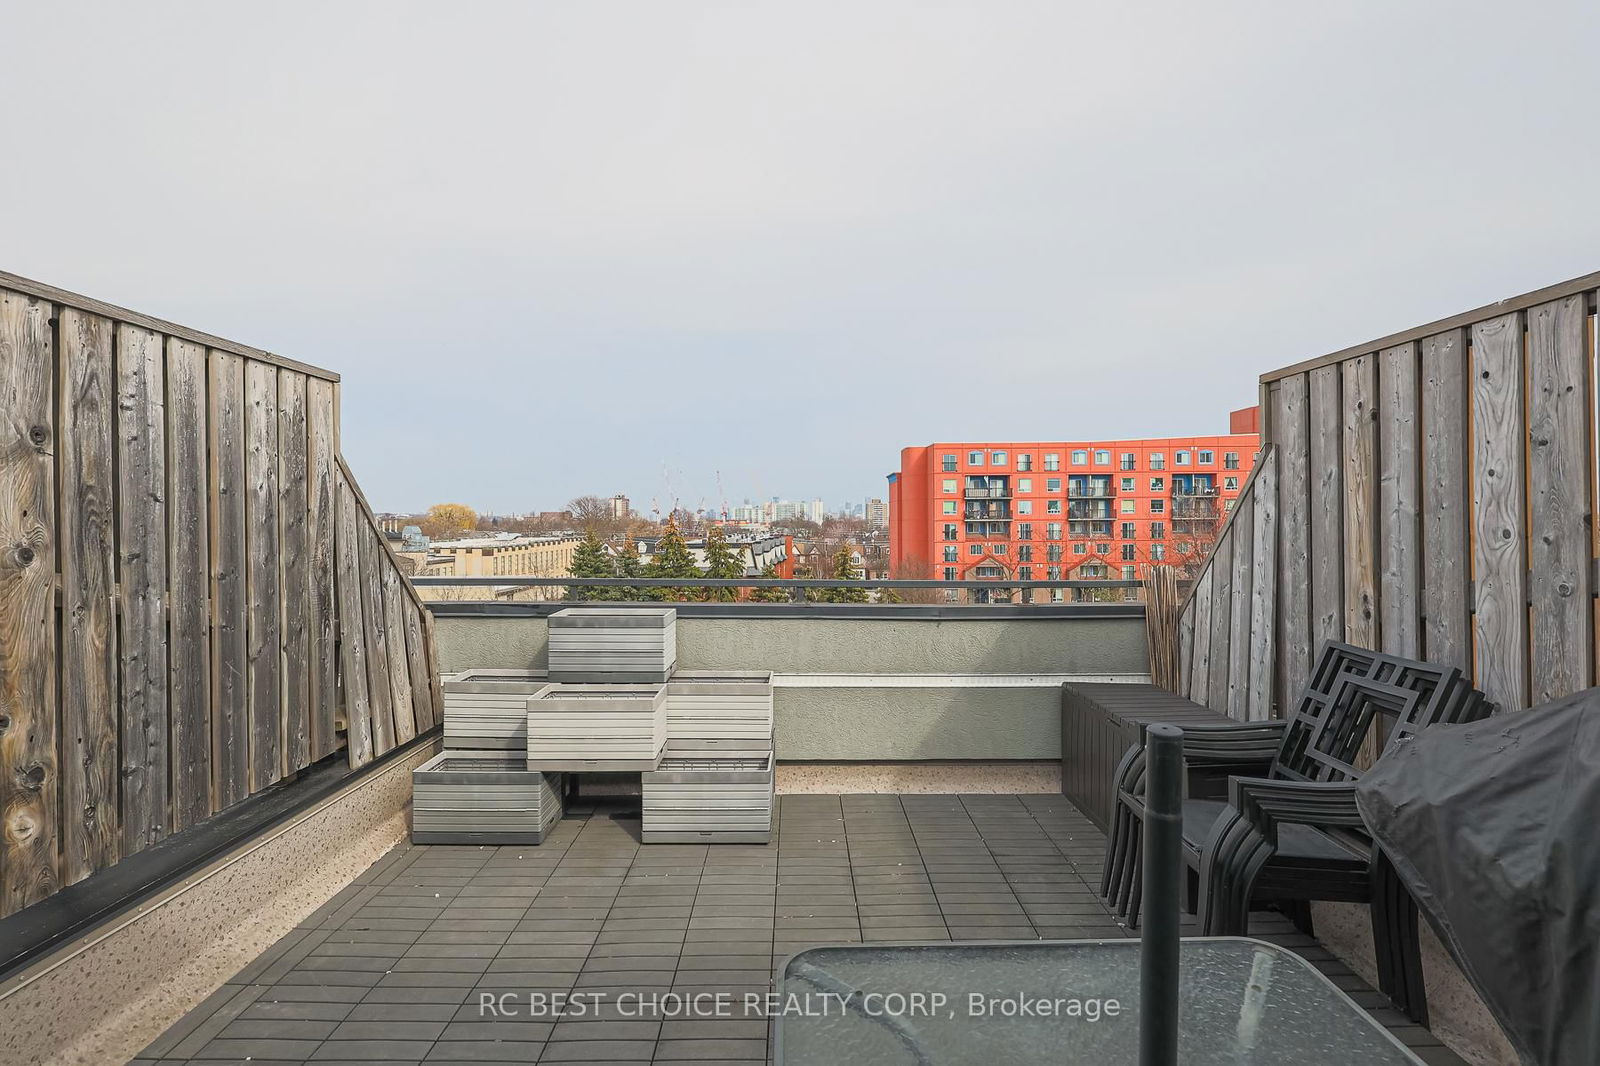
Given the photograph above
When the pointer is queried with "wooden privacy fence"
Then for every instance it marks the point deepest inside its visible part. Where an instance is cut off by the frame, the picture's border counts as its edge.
(1435, 493)
(195, 600)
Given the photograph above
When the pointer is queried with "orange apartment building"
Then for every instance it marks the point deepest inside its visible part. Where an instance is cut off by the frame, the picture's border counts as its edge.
(1068, 510)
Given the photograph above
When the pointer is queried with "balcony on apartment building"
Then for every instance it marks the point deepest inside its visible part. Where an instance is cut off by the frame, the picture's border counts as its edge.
(1090, 488)
(987, 488)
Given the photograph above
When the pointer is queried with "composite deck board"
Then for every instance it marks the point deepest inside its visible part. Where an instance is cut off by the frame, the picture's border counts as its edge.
(189, 648)
(90, 837)
(142, 576)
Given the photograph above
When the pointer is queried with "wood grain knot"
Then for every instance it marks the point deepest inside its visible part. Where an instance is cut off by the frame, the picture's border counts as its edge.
(30, 778)
(38, 435)
(21, 829)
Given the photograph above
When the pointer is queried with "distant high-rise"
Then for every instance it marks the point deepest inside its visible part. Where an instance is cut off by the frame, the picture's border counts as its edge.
(620, 506)
(876, 513)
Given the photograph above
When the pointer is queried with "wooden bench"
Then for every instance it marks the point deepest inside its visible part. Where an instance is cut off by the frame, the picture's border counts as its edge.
(1099, 723)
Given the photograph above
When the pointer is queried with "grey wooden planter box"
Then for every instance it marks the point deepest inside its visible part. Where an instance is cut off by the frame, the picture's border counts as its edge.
(708, 801)
(613, 644)
(597, 727)
(479, 797)
(719, 714)
(488, 709)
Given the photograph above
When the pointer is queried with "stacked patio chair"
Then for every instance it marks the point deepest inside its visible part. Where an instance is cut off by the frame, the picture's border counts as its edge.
(1287, 827)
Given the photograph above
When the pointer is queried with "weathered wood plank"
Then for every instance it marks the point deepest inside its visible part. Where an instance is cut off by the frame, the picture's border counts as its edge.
(265, 628)
(431, 663)
(322, 520)
(295, 567)
(1239, 612)
(1360, 451)
(1263, 588)
(230, 707)
(189, 649)
(352, 630)
(1326, 559)
(1446, 495)
(1499, 514)
(1186, 648)
(142, 565)
(374, 626)
(1399, 502)
(1292, 428)
(29, 866)
(417, 664)
(1221, 567)
(1561, 507)
(89, 655)
(405, 721)
(1200, 668)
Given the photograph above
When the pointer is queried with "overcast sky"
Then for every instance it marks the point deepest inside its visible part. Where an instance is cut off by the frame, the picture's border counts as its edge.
(554, 247)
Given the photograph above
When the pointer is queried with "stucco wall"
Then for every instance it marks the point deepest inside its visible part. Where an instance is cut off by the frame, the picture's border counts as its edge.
(915, 687)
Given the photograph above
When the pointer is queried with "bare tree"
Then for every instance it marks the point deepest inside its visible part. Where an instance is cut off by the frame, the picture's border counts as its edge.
(916, 568)
(594, 514)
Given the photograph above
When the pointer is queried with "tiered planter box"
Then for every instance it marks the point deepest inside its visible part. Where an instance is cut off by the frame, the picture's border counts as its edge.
(488, 709)
(605, 727)
(618, 645)
(719, 714)
(482, 798)
(708, 801)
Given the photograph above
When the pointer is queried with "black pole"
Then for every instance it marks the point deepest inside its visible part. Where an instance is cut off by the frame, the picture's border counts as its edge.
(1163, 878)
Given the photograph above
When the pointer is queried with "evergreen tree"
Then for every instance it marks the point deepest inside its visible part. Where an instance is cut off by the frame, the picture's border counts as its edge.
(673, 559)
(721, 561)
(628, 565)
(844, 569)
(770, 595)
(591, 560)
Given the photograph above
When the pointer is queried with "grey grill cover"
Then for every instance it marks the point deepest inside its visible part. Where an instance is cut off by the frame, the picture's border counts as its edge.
(1493, 827)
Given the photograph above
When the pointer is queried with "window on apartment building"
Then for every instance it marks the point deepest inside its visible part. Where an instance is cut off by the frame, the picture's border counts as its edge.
(949, 573)
(1080, 457)
(1024, 506)
(1024, 484)
(974, 458)
(1080, 548)
(1025, 552)
(1102, 548)
(997, 458)
(975, 549)
(1024, 530)
(1158, 531)
(1158, 484)
(1053, 531)
(1158, 506)
(948, 484)
(1128, 460)
(1181, 458)
(1126, 506)
(1227, 506)
(1024, 573)
(949, 464)
(1130, 573)
(1052, 484)
(949, 531)
(1127, 484)
(1102, 458)
(1230, 460)
(1158, 552)
(1052, 506)
(1052, 461)
(1054, 574)
(1129, 553)
(999, 549)
(1128, 531)
(1184, 546)
(1024, 461)
(948, 507)
(952, 554)
(1230, 483)
(1207, 457)
(952, 595)
(1052, 553)
(989, 571)
(1158, 461)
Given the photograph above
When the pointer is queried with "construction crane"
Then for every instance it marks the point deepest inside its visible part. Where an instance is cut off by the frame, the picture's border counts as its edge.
(722, 493)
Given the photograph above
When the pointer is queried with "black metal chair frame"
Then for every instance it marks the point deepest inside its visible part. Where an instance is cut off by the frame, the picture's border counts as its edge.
(1299, 772)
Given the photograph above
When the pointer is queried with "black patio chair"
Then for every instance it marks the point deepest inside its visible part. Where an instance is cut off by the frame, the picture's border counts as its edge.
(1285, 827)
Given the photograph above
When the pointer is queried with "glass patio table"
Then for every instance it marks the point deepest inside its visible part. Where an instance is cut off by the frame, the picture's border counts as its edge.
(1242, 1002)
